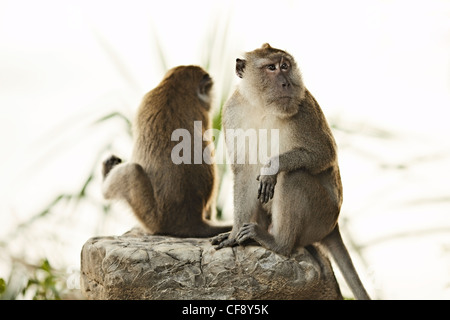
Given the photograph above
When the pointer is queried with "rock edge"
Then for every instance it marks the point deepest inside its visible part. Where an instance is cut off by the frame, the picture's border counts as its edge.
(141, 266)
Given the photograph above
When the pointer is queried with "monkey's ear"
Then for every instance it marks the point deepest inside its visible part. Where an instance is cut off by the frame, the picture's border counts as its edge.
(266, 46)
(240, 66)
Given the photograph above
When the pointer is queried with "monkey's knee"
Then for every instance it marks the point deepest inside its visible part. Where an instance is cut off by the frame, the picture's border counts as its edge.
(111, 186)
(110, 163)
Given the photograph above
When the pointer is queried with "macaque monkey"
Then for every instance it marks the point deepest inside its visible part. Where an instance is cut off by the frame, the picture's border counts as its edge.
(294, 198)
(169, 198)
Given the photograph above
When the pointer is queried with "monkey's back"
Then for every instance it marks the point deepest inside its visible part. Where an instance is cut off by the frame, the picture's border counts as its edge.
(176, 185)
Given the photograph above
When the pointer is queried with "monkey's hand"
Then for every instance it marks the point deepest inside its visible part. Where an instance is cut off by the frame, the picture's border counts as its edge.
(223, 240)
(266, 187)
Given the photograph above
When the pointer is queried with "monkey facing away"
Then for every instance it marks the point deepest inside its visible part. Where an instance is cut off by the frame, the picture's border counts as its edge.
(298, 204)
(168, 198)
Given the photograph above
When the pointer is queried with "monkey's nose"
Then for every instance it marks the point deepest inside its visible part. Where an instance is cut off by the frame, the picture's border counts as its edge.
(286, 84)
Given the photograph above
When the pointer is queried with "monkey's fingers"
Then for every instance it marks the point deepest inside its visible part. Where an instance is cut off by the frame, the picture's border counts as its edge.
(259, 189)
(243, 237)
(226, 243)
(220, 238)
(267, 197)
(271, 191)
(262, 192)
(246, 233)
(268, 193)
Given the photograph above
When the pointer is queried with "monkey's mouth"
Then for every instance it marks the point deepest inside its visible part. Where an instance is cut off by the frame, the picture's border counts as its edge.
(283, 99)
(278, 100)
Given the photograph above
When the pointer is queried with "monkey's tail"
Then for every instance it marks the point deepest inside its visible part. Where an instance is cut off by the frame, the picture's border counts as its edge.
(333, 242)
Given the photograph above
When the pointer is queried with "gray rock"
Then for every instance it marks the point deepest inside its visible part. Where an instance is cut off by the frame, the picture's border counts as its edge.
(141, 266)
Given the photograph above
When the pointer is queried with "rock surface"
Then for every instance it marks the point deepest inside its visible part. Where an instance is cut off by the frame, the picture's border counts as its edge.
(141, 266)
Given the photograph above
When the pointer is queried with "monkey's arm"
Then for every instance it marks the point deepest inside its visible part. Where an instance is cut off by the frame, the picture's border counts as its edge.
(307, 159)
(296, 159)
(241, 214)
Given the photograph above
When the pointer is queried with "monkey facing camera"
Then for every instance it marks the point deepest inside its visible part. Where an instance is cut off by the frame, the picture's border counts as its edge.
(168, 198)
(300, 203)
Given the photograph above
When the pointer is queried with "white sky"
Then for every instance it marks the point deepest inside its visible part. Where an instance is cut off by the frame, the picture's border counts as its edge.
(368, 63)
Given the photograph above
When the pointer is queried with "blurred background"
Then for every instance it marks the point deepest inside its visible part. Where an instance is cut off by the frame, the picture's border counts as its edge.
(72, 74)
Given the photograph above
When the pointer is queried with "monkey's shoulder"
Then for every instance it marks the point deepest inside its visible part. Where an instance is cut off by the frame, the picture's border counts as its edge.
(238, 112)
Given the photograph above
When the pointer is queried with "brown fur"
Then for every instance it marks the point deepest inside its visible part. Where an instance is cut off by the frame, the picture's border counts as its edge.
(168, 199)
(300, 203)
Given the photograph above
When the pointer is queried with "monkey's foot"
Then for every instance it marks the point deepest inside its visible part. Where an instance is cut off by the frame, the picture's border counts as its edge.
(248, 232)
(110, 163)
(220, 238)
(223, 240)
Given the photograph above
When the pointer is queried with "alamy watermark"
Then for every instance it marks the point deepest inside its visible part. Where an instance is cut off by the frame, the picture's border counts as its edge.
(249, 146)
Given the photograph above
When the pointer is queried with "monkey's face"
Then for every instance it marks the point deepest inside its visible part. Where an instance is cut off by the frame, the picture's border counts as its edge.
(274, 77)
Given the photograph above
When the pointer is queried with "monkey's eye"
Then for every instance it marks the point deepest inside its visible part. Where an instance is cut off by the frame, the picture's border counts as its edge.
(271, 67)
(284, 66)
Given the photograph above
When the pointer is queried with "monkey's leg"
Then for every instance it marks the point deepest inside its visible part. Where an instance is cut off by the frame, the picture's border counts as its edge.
(300, 215)
(281, 243)
(290, 161)
(246, 205)
(252, 231)
(129, 182)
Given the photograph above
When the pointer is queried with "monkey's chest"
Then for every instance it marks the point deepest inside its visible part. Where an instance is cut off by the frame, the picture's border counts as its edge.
(257, 139)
